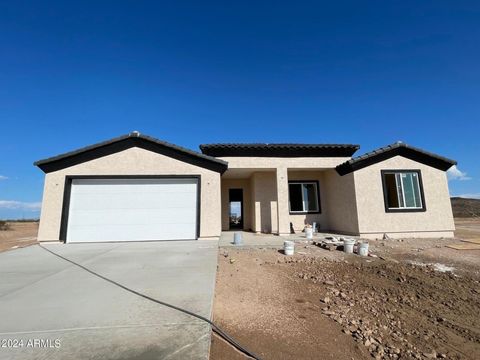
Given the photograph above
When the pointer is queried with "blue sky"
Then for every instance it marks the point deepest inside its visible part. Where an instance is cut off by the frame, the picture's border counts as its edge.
(370, 72)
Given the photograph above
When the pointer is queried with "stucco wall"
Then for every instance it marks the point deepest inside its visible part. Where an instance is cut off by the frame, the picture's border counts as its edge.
(244, 184)
(133, 161)
(264, 191)
(340, 202)
(290, 163)
(299, 220)
(437, 219)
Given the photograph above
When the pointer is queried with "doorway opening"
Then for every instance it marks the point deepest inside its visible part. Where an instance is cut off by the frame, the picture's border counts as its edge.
(235, 208)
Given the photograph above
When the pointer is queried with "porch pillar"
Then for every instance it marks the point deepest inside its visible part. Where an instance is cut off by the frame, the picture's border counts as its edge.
(283, 220)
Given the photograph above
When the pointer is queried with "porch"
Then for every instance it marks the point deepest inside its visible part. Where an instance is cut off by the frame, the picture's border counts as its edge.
(282, 201)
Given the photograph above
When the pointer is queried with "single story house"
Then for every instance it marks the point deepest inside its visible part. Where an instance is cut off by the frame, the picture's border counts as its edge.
(136, 187)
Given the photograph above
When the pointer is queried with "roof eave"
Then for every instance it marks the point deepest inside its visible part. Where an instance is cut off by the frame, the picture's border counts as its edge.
(125, 142)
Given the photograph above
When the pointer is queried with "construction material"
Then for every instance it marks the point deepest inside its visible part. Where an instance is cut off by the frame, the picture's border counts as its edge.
(465, 246)
(237, 238)
(473, 241)
(288, 247)
(363, 249)
(309, 233)
(348, 245)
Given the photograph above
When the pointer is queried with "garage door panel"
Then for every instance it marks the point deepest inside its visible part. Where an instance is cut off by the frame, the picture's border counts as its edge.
(132, 209)
(129, 232)
(143, 201)
(135, 216)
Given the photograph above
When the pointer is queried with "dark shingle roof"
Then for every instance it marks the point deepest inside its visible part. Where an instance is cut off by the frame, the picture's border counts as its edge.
(279, 150)
(134, 139)
(389, 151)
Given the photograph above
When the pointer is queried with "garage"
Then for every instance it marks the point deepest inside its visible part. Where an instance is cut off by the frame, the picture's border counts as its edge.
(132, 209)
(131, 188)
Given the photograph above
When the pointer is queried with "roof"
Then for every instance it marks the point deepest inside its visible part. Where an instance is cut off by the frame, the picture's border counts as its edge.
(134, 139)
(389, 151)
(279, 150)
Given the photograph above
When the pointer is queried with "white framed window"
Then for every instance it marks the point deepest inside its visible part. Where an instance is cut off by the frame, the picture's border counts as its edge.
(403, 190)
(303, 197)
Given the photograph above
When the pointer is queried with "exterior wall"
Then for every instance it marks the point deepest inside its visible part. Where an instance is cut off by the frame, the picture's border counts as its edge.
(373, 220)
(290, 163)
(340, 202)
(299, 220)
(133, 161)
(264, 194)
(247, 197)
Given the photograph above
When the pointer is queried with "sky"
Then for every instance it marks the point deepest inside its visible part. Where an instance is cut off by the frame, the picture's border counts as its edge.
(363, 72)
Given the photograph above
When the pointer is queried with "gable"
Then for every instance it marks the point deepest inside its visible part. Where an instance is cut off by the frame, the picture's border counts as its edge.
(129, 141)
(397, 149)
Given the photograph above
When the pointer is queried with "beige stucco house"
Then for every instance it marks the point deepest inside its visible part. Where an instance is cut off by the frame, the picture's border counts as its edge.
(137, 188)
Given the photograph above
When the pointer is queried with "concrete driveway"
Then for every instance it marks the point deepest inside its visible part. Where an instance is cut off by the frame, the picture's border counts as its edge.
(52, 309)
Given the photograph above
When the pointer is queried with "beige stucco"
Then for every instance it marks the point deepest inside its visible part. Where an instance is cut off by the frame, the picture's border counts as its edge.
(307, 163)
(373, 220)
(340, 202)
(300, 220)
(350, 204)
(133, 161)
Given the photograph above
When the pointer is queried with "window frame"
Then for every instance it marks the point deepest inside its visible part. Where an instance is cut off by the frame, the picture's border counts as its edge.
(303, 212)
(423, 208)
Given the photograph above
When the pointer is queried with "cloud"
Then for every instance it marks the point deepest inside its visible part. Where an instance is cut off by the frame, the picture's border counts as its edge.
(455, 174)
(468, 196)
(20, 205)
(3, 177)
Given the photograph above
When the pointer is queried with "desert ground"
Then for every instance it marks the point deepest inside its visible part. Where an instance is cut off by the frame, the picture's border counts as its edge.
(18, 234)
(418, 299)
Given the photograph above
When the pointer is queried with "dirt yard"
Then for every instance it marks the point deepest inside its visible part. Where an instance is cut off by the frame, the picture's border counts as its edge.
(19, 234)
(417, 300)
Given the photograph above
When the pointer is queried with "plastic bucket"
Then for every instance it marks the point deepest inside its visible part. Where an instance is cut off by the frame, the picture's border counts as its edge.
(288, 247)
(237, 238)
(309, 233)
(363, 249)
(348, 245)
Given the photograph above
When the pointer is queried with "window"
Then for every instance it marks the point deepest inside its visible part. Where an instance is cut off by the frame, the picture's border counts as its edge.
(403, 191)
(303, 197)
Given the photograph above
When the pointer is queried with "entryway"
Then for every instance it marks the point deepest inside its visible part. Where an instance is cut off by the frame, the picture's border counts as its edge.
(235, 208)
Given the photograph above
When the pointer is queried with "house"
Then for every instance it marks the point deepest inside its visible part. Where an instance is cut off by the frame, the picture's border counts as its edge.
(136, 187)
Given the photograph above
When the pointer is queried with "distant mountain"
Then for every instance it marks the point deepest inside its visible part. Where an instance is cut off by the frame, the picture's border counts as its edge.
(465, 207)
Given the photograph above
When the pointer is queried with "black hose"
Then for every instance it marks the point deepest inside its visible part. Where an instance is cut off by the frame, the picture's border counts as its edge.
(215, 327)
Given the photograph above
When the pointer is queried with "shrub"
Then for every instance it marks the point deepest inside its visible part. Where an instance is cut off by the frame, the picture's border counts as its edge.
(4, 226)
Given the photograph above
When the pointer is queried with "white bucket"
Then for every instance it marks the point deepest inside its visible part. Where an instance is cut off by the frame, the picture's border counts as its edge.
(288, 247)
(348, 245)
(363, 249)
(237, 238)
(309, 233)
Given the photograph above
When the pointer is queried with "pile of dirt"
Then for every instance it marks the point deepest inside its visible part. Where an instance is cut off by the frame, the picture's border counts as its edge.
(310, 306)
(401, 311)
(465, 208)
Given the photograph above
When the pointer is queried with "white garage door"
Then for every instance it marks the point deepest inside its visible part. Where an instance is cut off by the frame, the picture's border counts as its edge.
(132, 209)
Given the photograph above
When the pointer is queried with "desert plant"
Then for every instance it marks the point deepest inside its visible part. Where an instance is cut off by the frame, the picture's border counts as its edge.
(4, 226)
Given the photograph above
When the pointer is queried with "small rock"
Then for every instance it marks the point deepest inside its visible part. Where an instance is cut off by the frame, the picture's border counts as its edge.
(431, 355)
(329, 282)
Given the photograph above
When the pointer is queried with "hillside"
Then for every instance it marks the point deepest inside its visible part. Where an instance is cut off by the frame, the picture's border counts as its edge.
(465, 207)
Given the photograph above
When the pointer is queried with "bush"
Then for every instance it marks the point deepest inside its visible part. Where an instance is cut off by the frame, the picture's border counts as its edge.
(4, 226)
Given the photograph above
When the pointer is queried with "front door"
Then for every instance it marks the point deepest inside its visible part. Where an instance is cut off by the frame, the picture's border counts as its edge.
(235, 208)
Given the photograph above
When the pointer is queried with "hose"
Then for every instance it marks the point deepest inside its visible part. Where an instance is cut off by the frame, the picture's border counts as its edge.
(215, 327)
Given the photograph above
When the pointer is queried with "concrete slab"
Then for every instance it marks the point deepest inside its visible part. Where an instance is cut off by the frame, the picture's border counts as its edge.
(251, 239)
(72, 314)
